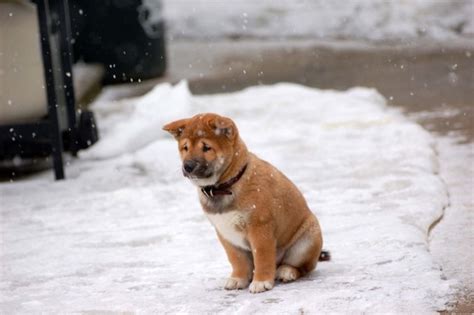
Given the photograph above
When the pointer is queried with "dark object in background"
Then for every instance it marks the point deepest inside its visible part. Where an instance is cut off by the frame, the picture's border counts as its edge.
(126, 36)
(86, 134)
(33, 140)
(63, 128)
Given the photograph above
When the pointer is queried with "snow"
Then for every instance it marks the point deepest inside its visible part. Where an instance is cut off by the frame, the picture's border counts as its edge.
(454, 234)
(131, 125)
(356, 19)
(125, 231)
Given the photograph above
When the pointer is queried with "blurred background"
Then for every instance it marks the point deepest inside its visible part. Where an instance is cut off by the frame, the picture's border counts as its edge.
(417, 53)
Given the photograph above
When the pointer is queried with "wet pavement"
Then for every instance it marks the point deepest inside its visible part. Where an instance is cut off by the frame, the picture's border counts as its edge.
(414, 76)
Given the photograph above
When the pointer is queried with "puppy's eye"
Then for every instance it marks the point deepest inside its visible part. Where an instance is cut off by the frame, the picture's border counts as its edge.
(185, 148)
(205, 148)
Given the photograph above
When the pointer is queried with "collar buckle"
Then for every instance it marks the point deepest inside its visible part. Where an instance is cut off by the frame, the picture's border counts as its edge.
(222, 189)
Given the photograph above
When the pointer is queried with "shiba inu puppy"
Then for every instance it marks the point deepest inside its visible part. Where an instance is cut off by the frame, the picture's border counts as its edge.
(260, 217)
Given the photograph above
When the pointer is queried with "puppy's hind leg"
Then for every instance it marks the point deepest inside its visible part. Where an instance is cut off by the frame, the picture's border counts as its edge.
(287, 273)
(302, 256)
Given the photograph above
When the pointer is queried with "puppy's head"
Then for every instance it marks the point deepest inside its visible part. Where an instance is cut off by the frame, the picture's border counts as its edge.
(206, 145)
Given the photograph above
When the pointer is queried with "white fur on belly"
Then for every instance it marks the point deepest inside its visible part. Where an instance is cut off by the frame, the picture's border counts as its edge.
(229, 224)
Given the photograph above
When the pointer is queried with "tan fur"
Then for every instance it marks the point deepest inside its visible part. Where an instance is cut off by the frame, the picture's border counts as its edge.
(275, 234)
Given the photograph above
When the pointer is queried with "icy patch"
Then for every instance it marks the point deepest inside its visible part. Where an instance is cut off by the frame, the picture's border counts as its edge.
(127, 233)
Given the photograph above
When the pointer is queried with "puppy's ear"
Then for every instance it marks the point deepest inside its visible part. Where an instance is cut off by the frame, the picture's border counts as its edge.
(176, 127)
(224, 126)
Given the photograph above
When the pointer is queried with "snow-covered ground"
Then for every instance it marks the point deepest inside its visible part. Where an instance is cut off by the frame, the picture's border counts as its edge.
(355, 19)
(125, 232)
(452, 240)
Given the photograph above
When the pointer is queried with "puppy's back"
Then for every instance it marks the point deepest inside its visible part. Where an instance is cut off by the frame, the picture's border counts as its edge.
(284, 201)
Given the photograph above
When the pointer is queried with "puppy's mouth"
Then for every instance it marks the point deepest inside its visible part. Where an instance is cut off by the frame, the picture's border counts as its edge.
(201, 172)
(198, 175)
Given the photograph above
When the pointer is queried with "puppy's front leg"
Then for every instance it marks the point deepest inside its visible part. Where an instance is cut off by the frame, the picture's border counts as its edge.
(241, 266)
(263, 246)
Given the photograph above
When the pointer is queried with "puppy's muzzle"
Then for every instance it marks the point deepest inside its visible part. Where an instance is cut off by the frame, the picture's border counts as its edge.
(196, 169)
(189, 166)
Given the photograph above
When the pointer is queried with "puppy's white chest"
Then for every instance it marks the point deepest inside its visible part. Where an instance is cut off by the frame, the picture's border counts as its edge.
(231, 226)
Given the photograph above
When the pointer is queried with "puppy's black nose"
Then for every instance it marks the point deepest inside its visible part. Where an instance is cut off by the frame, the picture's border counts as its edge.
(189, 165)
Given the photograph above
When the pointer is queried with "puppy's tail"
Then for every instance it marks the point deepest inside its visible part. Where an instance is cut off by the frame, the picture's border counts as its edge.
(325, 255)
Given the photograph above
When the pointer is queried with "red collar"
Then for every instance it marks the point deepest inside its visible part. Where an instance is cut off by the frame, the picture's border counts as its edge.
(222, 189)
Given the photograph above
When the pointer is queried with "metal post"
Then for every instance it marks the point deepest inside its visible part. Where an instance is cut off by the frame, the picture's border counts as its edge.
(56, 137)
(67, 74)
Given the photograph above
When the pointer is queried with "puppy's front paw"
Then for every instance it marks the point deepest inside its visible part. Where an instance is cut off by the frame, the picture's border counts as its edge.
(260, 286)
(236, 283)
